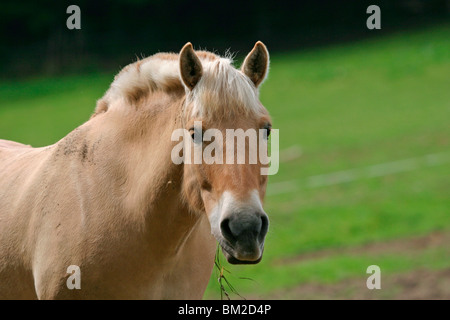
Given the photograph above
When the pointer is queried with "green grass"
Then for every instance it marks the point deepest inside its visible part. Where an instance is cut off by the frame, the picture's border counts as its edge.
(347, 106)
(42, 111)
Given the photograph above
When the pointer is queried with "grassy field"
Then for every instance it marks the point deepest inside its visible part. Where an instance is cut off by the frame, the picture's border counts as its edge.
(340, 111)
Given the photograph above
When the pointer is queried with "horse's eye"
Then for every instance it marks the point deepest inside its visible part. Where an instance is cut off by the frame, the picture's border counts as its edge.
(268, 129)
(196, 135)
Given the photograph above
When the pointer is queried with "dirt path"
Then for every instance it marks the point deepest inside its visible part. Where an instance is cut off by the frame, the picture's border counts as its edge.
(432, 240)
(415, 284)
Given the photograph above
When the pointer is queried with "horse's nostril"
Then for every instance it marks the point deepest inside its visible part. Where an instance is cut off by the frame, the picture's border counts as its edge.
(264, 227)
(257, 227)
(226, 230)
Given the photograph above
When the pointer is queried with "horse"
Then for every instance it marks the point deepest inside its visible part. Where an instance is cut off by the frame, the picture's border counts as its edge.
(107, 198)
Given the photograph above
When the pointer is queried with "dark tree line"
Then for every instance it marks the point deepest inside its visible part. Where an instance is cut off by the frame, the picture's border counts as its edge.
(35, 38)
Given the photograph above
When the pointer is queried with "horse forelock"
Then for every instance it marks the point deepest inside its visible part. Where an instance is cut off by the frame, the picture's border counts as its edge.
(222, 90)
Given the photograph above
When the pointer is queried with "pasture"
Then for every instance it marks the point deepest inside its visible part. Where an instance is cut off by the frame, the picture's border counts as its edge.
(364, 176)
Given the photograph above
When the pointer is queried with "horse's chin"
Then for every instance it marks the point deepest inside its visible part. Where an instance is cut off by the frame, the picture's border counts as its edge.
(233, 260)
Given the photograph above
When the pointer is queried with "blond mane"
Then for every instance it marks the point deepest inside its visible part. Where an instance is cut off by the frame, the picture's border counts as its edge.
(222, 89)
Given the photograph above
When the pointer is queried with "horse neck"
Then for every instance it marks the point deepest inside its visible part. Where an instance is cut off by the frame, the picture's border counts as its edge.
(141, 172)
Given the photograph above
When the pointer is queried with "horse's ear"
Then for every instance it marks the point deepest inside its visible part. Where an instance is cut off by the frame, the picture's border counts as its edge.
(190, 66)
(256, 64)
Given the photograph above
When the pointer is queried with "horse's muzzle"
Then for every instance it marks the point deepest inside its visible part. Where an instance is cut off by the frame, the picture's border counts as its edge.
(244, 234)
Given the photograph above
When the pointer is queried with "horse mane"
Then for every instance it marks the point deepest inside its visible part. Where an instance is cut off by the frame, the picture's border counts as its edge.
(222, 90)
